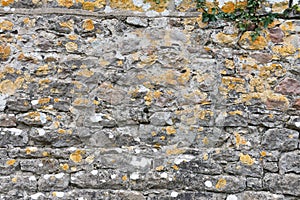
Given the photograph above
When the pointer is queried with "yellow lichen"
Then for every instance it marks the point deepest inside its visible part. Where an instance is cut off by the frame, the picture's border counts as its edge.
(4, 52)
(44, 100)
(7, 2)
(85, 73)
(246, 159)
(124, 178)
(175, 151)
(11, 162)
(228, 7)
(258, 44)
(45, 153)
(14, 180)
(205, 156)
(284, 50)
(65, 3)
(88, 25)
(239, 140)
(263, 153)
(205, 140)
(80, 101)
(170, 130)
(226, 38)
(76, 156)
(175, 167)
(221, 183)
(71, 46)
(236, 112)
(6, 25)
(7, 87)
(159, 168)
(64, 167)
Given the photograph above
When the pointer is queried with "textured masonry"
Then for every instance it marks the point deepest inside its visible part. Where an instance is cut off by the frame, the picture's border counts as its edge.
(137, 100)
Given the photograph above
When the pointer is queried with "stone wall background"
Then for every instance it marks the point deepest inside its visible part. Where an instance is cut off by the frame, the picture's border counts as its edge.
(137, 100)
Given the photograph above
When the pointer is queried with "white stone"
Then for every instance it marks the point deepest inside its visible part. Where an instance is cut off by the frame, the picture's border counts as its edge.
(208, 184)
(164, 175)
(60, 194)
(2, 102)
(60, 175)
(297, 124)
(43, 118)
(152, 13)
(134, 176)
(41, 165)
(113, 176)
(6, 8)
(47, 176)
(32, 178)
(108, 9)
(94, 172)
(36, 195)
(231, 197)
(165, 13)
(174, 194)
(34, 102)
(41, 131)
(183, 158)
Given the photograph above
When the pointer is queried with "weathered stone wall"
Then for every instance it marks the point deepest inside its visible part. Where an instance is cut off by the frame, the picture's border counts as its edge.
(100, 101)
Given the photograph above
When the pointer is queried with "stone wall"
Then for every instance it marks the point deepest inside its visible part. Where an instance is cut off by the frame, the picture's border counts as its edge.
(137, 100)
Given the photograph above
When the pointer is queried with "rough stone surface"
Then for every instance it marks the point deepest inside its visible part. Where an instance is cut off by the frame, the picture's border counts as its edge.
(138, 100)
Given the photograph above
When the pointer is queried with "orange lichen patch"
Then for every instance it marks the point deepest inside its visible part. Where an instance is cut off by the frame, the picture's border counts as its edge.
(14, 180)
(258, 44)
(65, 3)
(4, 52)
(280, 7)
(263, 154)
(186, 5)
(284, 50)
(170, 130)
(175, 167)
(239, 140)
(229, 64)
(205, 156)
(124, 4)
(88, 25)
(159, 7)
(228, 7)
(185, 77)
(68, 24)
(11, 162)
(29, 150)
(205, 140)
(6, 25)
(226, 38)
(61, 131)
(72, 37)
(76, 156)
(162, 137)
(64, 167)
(159, 168)
(236, 112)
(267, 71)
(241, 4)
(257, 84)
(124, 178)
(203, 113)
(71, 46)
(42, 70)
(45, 153)
(221, 183)
(8, 87)
(175, 151)
(85, 73)
(44, 100)
(246, 159)
(287, 26)
(80, 101)
(7, 2)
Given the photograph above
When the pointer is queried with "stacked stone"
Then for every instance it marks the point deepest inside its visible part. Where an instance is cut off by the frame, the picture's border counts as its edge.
(138, 100)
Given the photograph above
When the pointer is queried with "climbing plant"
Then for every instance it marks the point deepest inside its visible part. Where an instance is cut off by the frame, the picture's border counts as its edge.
(246, 17)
